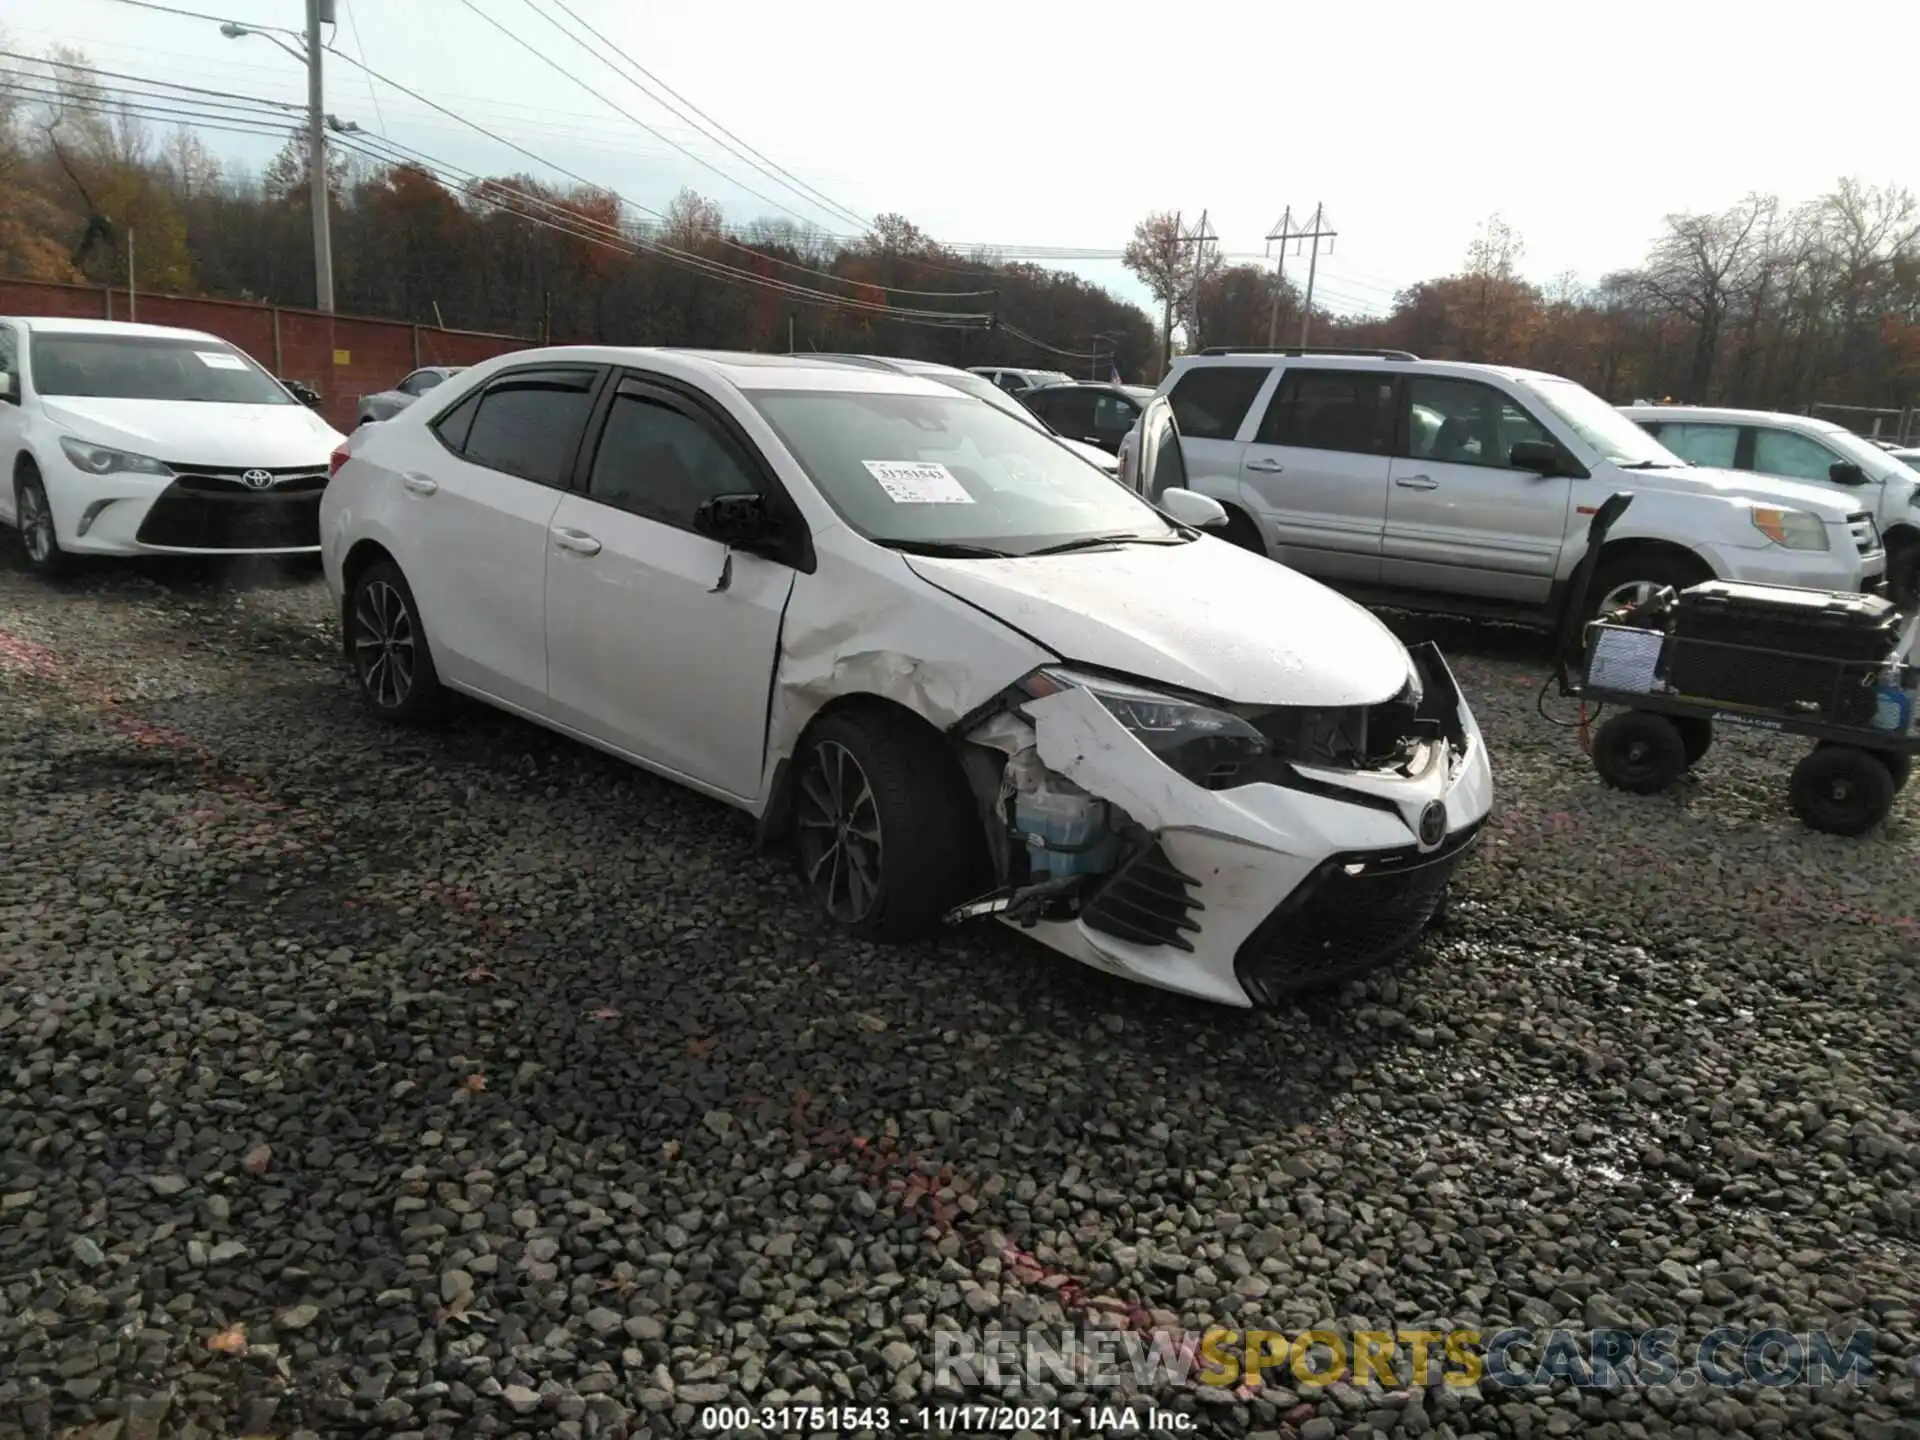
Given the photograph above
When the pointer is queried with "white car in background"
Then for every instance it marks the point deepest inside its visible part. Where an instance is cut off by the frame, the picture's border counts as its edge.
(965, 672)
(121, 439)
(1802, 447)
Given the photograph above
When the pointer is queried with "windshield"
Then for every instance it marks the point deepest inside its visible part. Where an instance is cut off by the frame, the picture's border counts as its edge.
(1616, 438)
(150, 367)
(934, 471)
(1864, 453)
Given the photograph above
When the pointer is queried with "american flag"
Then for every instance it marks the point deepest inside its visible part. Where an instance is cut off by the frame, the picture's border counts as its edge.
(1116, 375)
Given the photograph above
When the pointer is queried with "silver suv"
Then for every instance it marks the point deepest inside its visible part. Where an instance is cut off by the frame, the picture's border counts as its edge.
(1468, 488)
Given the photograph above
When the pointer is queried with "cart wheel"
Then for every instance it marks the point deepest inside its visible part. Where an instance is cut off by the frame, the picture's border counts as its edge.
(1640, 752)
(1842, 790)
(1899, 764)
(1696, 734)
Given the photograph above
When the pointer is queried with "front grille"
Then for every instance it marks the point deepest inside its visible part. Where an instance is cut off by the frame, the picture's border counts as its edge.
(215, 510)
(1147, 902)
(1866, 535)
(1354, 912)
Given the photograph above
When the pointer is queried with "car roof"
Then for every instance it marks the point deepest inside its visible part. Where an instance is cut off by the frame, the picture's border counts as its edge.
(741, 369)
(1731, 415)
(1334, 360)
(72, 325)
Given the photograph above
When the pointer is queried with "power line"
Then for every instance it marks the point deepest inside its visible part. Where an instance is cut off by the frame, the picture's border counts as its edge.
(196, 14)
(360, 45)
(560, 69)
(731, 142)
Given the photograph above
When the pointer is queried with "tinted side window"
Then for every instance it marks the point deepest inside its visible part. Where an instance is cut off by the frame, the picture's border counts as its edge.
(656, 460)
(1210, 401)
(1348, 410)
(529, 424)
(1702, 444)
(453, 426)
(1462, 422)
(1781, 452)
(1069, 410)
(421, 381)
(1114, 414)
(9, 354)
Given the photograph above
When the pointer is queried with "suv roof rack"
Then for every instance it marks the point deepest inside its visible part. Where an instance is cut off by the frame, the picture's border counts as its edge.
(1306, 350)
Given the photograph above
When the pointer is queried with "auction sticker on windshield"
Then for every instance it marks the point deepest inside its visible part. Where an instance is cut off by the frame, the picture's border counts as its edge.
(214, 360)
(917, 482)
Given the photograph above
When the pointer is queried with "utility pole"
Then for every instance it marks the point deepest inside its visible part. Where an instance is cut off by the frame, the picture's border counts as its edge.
(1313, 264)
(1200, 239)
(133, 303)
(317, 11)
(1166, 306)
(1279, 277)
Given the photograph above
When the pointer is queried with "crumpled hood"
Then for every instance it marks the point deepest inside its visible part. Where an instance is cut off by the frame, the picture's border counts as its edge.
(1827, 501)
(215, 436)
(1205, 616)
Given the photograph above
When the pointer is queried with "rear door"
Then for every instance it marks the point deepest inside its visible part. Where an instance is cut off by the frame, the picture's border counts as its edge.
(1316, 470)
(478, 490)
(1460, 517)
(1213, 407)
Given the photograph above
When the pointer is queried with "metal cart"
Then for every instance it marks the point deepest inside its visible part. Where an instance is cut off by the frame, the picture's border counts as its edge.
(1844, 786)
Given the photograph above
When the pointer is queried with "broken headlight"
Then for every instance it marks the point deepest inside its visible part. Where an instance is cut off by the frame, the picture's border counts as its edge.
(1208, 746)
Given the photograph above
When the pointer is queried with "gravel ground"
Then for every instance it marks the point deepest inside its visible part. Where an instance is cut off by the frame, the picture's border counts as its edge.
(469, 1083)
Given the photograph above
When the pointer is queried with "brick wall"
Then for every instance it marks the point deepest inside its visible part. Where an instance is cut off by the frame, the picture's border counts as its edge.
(341, 356)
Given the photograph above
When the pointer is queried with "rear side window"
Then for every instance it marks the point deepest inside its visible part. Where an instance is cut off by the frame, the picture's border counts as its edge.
(453, 426)
(1210, 401)
(1702, 444)
(1331, 410)
(529, 424)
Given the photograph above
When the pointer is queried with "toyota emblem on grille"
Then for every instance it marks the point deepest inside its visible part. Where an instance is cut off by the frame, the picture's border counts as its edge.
(257, 479)
(1433, 825)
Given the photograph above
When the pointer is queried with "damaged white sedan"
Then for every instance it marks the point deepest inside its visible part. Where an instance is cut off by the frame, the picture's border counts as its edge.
(964, 672)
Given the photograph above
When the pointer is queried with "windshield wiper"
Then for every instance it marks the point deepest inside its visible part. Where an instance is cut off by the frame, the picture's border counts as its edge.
(1089, 542)
(1655, 465)
(946, 549)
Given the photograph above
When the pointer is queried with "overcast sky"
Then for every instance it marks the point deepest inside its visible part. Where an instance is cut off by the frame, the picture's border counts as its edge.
(1061, 122)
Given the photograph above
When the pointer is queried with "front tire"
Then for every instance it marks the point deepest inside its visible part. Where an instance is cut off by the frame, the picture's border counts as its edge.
(1639, 752)
(34, 516)
(1903, 574)
(387, 647)
(1632, 579)
(884, 824)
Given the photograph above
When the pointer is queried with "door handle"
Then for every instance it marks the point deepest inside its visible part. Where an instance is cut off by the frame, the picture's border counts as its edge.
(1416, 482)
(1266, 467)
(420, 484)
(577, 541)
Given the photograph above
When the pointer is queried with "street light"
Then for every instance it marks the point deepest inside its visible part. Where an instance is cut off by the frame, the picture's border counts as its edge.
(309, 55)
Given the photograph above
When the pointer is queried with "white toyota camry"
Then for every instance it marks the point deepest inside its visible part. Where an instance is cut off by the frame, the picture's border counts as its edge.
(121, 439)
(963, 671)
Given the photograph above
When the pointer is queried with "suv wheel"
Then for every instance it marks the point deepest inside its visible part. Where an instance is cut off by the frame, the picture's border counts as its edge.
(1635, 578)
(1903, 573)
(1243, 532)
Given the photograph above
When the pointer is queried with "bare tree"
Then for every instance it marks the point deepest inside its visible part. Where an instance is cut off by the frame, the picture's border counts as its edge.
(1696, 270)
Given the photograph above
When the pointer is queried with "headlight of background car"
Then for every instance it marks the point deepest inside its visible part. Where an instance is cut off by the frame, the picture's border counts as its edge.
(1795, 529)
(1204, 744)
(105, 460)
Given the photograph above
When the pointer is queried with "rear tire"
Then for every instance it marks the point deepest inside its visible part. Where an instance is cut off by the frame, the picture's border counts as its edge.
(33, 516)
(1242, 531)
(886, 829)
(1639, 752)
(387, 647)
(1696, 735)
(1898, 763)
(1841, 790)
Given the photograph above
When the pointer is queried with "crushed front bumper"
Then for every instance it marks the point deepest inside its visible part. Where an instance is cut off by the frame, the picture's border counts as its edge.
(1247, 894)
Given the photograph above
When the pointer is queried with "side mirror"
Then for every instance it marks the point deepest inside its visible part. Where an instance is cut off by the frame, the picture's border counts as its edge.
(1542, 457)
(742, 522)
(1846, 472)
(1190, 507)
(9, 387)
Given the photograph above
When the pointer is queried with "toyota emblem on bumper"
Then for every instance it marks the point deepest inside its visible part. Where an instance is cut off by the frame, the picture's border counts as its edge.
(257, 479)
(1433, 825)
